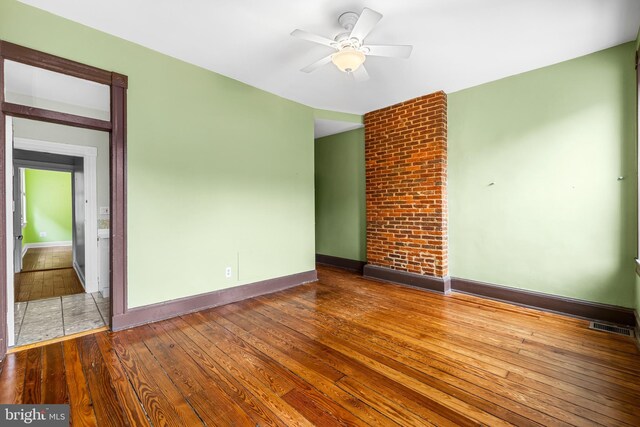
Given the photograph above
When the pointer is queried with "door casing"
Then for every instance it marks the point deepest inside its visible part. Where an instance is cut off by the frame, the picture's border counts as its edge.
(116, 127)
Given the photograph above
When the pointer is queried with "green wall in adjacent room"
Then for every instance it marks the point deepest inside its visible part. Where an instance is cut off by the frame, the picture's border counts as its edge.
(340, 195)
(49, 206)
(554, 142)
(219, 173)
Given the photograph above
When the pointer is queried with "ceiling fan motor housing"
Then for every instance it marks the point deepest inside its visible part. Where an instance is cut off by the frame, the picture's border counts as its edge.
(348, 20)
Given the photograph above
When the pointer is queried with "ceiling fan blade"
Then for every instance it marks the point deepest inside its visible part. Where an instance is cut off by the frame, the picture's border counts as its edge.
(317, 64)
(360, 74)
(305, 35)
(390, 51)
(367, 20)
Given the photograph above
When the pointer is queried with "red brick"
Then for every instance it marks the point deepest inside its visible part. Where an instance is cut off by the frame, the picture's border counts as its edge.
(406, 171)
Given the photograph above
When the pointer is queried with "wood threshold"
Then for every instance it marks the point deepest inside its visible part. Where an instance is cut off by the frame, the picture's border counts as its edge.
(25, 347)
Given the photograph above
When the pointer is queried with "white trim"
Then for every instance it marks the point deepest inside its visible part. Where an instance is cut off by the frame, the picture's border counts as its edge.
(104, 235)
(8, 167)
(45, 245)
(89, 155)
(54, 147)
(76, 267)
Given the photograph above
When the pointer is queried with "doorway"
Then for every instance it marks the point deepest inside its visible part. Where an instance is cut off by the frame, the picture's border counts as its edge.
(55, 291)
(32, 104)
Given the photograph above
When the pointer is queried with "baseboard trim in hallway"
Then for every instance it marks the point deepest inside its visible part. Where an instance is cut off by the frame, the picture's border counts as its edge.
(165, 310)
(345, 263)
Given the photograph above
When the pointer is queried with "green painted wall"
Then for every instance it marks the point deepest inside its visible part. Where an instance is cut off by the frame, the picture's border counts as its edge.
(554, 141)
(49, 206)
(340, 195)
(219, 173)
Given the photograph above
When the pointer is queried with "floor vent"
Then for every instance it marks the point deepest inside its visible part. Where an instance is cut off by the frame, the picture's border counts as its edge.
(610, 328)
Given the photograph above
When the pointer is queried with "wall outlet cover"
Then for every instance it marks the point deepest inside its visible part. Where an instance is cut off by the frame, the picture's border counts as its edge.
(227, 272)
(43, 234)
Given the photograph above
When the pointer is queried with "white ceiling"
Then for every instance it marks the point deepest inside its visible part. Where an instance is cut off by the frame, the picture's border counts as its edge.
(324, 127)
(457, 43)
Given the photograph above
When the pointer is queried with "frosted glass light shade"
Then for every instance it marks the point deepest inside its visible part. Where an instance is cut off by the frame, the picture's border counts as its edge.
(348, 59)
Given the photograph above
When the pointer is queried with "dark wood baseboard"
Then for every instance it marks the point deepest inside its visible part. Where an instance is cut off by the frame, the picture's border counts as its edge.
(345, 263)
(431, 283)
(637, 315)
(553, 303)
(165, 310)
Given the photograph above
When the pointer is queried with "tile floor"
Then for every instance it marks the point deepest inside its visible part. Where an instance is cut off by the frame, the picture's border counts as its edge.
(49, 318)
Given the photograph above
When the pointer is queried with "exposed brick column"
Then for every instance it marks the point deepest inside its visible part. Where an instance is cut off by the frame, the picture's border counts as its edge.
(406, 171)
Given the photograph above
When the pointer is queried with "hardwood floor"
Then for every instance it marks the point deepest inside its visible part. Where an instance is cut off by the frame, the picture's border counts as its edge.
(34, 285)
(37, 259)
(46, 273)
(342, 351)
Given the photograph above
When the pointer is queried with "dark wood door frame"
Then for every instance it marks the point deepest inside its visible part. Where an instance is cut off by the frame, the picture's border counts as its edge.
(118, 162)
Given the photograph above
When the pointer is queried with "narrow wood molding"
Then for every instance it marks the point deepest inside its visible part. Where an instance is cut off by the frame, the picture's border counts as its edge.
(119, 80)
(547, 302)
(24, 55)
(345, 263)
(118, 203)
(3, 220)
(637, 316)
(57, 117)
(165, 310)
(431, 283)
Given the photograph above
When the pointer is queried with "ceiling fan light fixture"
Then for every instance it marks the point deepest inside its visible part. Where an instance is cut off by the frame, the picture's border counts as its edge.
(348, 59)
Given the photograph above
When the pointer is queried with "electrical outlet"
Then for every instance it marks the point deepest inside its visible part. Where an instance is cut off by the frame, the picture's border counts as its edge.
(43, 234)
(227, 272)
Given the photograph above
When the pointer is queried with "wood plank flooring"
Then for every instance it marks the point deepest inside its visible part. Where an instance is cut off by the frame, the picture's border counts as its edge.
(342, 351)
(37, 259)
(46, 273)
(34, 285)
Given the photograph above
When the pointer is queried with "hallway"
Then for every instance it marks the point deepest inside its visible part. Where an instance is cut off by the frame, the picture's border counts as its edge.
(50, 301)
(51, 258)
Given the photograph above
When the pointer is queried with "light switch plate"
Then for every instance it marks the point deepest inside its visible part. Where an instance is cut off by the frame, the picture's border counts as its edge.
(104, 210)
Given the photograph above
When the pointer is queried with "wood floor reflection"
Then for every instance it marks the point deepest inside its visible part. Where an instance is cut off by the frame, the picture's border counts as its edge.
(341, 351)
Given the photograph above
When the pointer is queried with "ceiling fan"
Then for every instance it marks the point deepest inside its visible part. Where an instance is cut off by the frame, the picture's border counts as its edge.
(351, 50)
